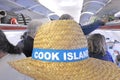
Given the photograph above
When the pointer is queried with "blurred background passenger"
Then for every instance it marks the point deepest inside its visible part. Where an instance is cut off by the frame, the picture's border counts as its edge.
(116, 51)
(13, 21)
(66, 17)
(87, 29)
(31, 32)
(118, 60)
(97, 47)
(9, 52)
(20, 43)
(116, 48)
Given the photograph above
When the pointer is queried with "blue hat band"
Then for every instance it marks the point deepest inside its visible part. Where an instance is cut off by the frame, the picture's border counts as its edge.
(53, 55)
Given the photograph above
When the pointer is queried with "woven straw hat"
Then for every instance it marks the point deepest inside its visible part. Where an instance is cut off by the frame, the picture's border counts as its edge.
(60, 53)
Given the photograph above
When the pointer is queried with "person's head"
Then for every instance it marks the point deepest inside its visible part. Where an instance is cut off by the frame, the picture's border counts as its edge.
(60, 52)
(6, 46)
(97, 44)
(33, 27)
(66, 17)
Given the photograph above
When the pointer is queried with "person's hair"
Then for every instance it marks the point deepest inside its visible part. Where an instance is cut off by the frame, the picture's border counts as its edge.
(6, 46)
(96, 44)
(66, 17)
(33, 26)
(118, 57)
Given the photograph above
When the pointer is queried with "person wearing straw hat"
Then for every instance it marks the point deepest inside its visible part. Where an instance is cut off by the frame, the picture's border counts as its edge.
(87, 29)
(97, 47)
(60, 52)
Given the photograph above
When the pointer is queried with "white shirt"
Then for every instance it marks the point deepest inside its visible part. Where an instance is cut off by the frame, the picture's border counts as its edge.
(9, 73)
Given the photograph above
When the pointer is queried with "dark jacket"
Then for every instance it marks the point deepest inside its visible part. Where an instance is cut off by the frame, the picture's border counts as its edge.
(91, 27)
(28, 46)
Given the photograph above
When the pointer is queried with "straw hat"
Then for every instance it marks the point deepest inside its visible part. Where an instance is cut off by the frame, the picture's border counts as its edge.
(60, 53)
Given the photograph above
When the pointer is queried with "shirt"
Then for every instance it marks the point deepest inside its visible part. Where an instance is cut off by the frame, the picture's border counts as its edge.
(106, 57)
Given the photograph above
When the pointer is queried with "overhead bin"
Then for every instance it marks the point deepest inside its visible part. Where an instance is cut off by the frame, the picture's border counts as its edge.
(31, 8)
(91, 8)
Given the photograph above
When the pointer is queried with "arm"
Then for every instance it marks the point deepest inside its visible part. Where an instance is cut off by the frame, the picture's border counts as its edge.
(91, 27)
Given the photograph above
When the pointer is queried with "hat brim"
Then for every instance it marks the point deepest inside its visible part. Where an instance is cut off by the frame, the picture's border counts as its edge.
(89, 69)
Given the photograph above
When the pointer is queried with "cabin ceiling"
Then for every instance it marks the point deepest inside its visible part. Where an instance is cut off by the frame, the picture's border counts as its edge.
(111, 8)
(43, 8)
(31, 8)
(52, 9)
(72, 7)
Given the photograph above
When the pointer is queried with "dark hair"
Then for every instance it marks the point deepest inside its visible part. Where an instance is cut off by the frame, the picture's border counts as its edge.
(6, 46)
(66, 17)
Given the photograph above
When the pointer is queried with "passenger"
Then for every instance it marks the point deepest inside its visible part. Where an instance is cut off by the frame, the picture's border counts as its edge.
(87, 29)
(9, 52)
(21, 43)
(60, 52)
(66, 17)
(97, 47)
(13, 21)
(116, 48)
(116, 51)
(118, 60)
(31, 32)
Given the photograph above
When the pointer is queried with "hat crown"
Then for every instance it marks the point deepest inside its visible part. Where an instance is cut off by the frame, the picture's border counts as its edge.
(60, 34)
